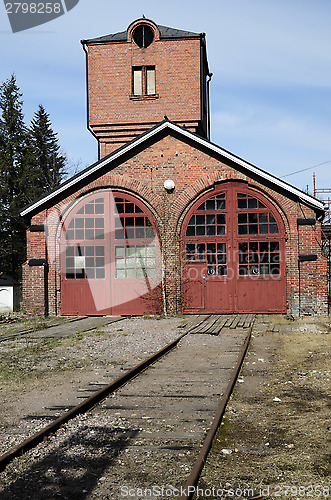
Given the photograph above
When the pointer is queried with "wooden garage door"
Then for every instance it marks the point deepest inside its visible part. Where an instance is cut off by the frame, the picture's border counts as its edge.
(110, 258)
(233, 253)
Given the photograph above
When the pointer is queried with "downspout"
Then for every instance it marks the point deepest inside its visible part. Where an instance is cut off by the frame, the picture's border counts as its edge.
(208, 105)
(46, 287)
(87, 99)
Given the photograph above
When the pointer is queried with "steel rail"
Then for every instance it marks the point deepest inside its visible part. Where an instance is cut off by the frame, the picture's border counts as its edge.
(88, 403)
(26, 331)
(20, 333)
(190, 486)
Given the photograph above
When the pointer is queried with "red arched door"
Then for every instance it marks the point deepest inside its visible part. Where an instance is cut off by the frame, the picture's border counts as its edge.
(110, 257)
(233, 252)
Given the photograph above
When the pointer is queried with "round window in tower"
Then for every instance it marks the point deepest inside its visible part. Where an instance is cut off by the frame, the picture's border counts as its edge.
(143, 36)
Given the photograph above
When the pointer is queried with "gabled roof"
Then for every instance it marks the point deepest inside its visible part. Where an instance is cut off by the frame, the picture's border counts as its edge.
(6, 280)
(181, 132)
(164, 31)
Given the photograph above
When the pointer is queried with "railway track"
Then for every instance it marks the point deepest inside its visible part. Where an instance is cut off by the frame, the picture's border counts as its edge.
(59, 330)
(172, 410)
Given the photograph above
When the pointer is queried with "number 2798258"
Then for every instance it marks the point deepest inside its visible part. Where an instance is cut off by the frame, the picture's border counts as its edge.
(33, 8)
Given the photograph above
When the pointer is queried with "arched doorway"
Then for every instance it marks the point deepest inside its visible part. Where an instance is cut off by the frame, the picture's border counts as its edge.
(233, 253)
(110, 257)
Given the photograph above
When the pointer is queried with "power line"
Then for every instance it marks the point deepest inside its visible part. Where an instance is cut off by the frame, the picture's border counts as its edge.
(305, 169)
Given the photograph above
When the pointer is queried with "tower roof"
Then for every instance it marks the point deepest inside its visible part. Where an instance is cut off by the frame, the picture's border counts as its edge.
(164, 31)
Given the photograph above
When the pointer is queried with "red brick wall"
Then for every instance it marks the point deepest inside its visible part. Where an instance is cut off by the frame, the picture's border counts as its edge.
(117, 117)
(194, 173)
(34, 276)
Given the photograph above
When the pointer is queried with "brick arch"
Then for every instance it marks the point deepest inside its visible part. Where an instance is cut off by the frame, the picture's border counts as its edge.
(124, 183)
(146, 22)
(198, 188)
(207, 183)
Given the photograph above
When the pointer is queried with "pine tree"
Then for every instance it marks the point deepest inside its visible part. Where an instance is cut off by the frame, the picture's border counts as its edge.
(15, 177)
(30, 164)
(49, 162)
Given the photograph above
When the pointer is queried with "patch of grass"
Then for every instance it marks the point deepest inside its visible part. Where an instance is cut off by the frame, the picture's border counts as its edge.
(276, 442)
(223, 436)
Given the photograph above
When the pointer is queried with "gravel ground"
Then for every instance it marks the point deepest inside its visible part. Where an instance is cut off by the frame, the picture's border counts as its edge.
(41, 378)
(275, 437)
(265, 445)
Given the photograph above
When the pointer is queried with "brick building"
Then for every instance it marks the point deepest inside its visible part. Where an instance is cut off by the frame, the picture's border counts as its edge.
(165, 219)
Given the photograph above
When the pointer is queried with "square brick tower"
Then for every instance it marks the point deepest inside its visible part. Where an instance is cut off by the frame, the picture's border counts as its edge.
(138, 77)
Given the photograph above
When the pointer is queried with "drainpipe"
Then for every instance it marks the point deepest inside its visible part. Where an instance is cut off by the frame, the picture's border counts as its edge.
(87, 99)
(208, 105)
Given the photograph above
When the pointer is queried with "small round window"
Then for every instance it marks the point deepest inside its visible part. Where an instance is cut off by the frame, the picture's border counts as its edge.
(143, 36)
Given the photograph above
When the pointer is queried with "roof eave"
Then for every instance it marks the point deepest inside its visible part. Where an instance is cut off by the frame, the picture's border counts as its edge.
(301, 195)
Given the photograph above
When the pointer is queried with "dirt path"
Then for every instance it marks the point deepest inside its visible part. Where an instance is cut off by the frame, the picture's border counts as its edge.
(276, 431)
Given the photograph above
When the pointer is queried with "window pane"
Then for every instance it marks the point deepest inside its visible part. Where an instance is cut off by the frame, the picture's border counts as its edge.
(210, 230)
(252, 218)
(243, 270)
(89, 234)
(79, 223)
(89, 208)
(252, 229)
(131, 273)
(263, 218)
(120, 273)
(274, 269)
(264, 269)
(252, 203)
(99, 209)
(243, 247)
(263, 228)
(150, 81)
(220, 204)
(221, 270)
(190, 231)
(137, 81)
(90, 273)
(100, 273)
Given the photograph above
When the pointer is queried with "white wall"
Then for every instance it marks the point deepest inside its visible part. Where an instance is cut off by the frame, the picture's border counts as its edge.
(6, 299)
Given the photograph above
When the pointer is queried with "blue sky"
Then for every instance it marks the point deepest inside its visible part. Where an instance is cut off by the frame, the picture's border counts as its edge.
(271, 85)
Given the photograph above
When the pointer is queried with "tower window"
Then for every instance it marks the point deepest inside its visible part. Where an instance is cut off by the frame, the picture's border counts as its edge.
(143, 36)
(143, 80)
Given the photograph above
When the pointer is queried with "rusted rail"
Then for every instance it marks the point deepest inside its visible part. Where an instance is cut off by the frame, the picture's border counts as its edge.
(192, 481)
(97, 397)
(86, 405)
